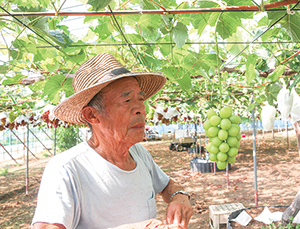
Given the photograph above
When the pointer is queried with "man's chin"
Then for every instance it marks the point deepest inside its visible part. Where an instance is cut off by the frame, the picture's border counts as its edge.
(138, 139)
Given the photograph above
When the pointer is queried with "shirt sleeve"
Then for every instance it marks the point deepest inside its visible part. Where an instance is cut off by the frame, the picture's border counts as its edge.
(58, 200)
(159, 178)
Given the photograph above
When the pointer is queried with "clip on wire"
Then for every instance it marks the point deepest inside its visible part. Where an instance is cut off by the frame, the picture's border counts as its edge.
(289, 11)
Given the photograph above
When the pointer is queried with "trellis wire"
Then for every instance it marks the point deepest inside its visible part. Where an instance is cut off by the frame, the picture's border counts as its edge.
(261, 35)
(141, 12)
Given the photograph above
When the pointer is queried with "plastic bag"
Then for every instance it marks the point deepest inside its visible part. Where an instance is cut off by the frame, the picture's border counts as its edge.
(295, 112)
(268, 117)
(285, 102)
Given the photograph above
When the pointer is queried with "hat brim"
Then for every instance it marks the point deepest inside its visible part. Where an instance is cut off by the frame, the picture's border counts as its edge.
(70, 110)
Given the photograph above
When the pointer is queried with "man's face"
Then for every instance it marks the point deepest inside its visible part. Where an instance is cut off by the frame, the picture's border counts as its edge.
(123, 118)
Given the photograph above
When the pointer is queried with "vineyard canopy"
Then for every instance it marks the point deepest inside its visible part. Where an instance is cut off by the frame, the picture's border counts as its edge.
(212, 52)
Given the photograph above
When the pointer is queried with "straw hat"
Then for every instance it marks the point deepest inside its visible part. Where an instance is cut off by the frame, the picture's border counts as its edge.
(95, 74)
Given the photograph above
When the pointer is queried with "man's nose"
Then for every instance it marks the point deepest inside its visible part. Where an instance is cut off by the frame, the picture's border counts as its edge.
(139, 108)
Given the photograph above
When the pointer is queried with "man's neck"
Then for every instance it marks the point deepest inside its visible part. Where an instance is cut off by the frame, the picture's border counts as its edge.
(117, 154)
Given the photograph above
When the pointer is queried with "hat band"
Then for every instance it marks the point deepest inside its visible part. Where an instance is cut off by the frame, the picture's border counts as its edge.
(116, 72)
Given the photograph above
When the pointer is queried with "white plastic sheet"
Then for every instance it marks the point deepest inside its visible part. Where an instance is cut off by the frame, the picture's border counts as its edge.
(243, 218)
(285, 102)
(295, 112)
(268, 217)
(297, 218)
(268, 117)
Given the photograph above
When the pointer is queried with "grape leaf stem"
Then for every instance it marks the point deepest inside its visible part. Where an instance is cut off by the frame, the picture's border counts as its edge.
(218, 61)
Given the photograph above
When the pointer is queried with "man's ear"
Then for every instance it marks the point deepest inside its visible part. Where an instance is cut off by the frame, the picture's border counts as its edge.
(89, 114)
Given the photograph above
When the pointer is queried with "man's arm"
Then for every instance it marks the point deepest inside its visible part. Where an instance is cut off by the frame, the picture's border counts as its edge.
(48, 226)
(291, 211)
(179, 210)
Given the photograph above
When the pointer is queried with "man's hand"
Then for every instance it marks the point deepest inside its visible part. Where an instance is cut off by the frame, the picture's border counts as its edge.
(179, 211)
(148, 224)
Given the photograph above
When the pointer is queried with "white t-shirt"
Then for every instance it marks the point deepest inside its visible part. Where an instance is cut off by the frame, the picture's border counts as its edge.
(80, 189)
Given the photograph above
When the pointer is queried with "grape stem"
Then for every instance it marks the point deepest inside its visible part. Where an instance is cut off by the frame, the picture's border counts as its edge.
(218, 63)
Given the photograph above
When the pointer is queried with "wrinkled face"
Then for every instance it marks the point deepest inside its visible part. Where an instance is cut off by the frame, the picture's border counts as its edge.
(123, 118)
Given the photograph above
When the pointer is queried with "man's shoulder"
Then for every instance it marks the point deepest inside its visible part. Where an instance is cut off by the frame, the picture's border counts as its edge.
(138, 149)
(69, 155)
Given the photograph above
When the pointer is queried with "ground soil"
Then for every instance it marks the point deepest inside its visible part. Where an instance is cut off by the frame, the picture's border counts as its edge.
(277, 180)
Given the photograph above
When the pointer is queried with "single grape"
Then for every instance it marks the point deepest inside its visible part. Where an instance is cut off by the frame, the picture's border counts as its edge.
(232, 141)
(239, 136)
(213, 131)
(215, 120)
(213, 149)
(216, 141)
(236, 126)
(206, 125)
(231, 160)
(225, 112)
(223, 134)
(225, 124)
(224, 147)
(232, 152)
(213, 157)
(221, 164)
(233, 131)
(235, 119)
(210, 113)
(222, 156)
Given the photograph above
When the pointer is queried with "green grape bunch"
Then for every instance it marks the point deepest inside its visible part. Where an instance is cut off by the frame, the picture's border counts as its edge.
(224, 136)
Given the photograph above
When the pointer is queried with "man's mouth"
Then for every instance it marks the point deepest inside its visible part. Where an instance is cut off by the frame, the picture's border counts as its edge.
(139, 126)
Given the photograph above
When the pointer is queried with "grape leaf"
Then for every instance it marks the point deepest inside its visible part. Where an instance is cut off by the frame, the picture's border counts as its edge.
(103, 29)
(272, 90)
(200, 21)
(227, 24)
(25, 46)
(185, 82)
(293, 26)
(37, 86)
(98, 5)
(250, 67)
(234, 49)
(296, 81)
(13, 80)
(3, 69)
(179, 34)
(277, 73)
(54, 86)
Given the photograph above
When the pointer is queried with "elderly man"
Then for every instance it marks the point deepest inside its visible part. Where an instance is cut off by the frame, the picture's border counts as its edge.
(111, 180)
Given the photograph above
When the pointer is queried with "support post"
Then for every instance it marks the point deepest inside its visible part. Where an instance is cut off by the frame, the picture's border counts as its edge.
(248, 132)
(54, 141)
(227, 174)
(287, 135)
(254, 157)
(196, 139)
(77, 135)
(27, 161)
(297, 130)
(205, 144)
